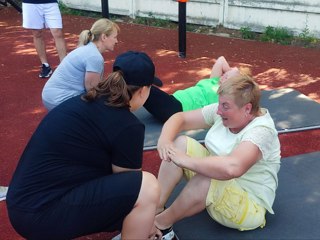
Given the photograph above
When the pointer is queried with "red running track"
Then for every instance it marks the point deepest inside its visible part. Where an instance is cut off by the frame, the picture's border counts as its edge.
(274, 66)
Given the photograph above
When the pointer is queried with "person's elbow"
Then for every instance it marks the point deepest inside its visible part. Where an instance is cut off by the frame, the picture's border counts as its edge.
(91, 80)
(177, 118)
(233, 171)
(221, 58)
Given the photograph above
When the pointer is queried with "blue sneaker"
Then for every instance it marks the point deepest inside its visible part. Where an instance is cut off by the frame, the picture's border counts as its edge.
(45, 72)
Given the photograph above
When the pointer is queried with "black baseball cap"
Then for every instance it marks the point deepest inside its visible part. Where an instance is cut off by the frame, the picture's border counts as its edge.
(137, 68)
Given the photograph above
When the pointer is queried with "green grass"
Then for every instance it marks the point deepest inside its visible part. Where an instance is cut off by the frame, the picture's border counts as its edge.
(70, 11)
(270, 34)
(306, 38)
(277, 35)
(246, 33)
(155, 22)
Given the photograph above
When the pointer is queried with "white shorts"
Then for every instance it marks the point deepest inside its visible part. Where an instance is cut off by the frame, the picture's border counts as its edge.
(39, 16)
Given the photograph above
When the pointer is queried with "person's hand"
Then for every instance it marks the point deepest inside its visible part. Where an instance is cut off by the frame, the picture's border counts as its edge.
(162, 148)
(232, 72)
(177, 156)
(155, 234)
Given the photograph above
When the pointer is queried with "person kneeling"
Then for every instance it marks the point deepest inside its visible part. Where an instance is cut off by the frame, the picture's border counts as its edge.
(81, 170)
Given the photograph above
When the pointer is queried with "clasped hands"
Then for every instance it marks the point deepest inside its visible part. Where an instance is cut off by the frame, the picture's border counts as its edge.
(168, 152)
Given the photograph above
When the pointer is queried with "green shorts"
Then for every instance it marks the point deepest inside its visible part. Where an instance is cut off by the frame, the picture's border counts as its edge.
(227, 202)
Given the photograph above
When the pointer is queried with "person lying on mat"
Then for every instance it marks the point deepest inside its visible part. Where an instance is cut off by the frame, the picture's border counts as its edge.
(163, 105)
(83, 67)
(234, 176)
(81, 170)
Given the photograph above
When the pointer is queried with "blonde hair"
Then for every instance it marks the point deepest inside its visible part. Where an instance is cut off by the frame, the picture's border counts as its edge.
(100, 26)
(114, 88)
(245, 71)
(244, 90)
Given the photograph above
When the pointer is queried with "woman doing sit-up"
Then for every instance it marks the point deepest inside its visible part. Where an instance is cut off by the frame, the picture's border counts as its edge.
(163, 105)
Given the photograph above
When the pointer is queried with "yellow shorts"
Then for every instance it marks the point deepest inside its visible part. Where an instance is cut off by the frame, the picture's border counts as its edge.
(227, 203)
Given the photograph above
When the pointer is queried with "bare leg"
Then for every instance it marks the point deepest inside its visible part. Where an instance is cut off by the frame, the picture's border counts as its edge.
(170, 174)
(168, 177)
(38, 40)
(58, 36)
(139, 223)
(190, 201)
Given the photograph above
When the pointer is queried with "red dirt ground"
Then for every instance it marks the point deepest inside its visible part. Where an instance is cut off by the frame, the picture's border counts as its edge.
(274, 66)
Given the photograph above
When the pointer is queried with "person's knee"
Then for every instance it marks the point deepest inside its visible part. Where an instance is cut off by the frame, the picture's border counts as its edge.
(57, 33)
(37, 33)
(150, 189)
(198, 188)
(181, 143)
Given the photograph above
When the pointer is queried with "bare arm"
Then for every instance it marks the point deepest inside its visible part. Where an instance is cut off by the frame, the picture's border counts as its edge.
(178, 122)
(91, 80)
(221, 66)
(245, 155)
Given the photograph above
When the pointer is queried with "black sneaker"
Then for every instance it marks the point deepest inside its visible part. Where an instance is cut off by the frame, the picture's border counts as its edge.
(168, 234)
(45, 71)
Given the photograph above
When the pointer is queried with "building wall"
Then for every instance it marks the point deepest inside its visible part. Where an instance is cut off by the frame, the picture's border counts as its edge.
(295, 15)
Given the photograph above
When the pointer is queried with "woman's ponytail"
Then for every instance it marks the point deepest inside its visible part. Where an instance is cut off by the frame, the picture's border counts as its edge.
(114, 87)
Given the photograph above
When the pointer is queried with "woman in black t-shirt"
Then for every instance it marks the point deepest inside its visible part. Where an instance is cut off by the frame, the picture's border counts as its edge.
(81, 170)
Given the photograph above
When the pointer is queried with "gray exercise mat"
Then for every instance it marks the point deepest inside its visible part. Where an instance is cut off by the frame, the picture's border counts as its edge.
(297, 212)
(291, 110)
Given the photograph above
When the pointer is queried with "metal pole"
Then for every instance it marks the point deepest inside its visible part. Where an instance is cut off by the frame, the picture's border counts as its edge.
(182, 29)
(105, 8)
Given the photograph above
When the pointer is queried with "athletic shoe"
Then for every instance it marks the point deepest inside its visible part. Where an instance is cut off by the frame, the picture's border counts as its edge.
(168, 234)
(3, 193)
(45, 71)
(117, 237)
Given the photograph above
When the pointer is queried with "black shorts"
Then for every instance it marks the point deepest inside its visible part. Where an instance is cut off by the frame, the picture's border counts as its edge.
(96, 206)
